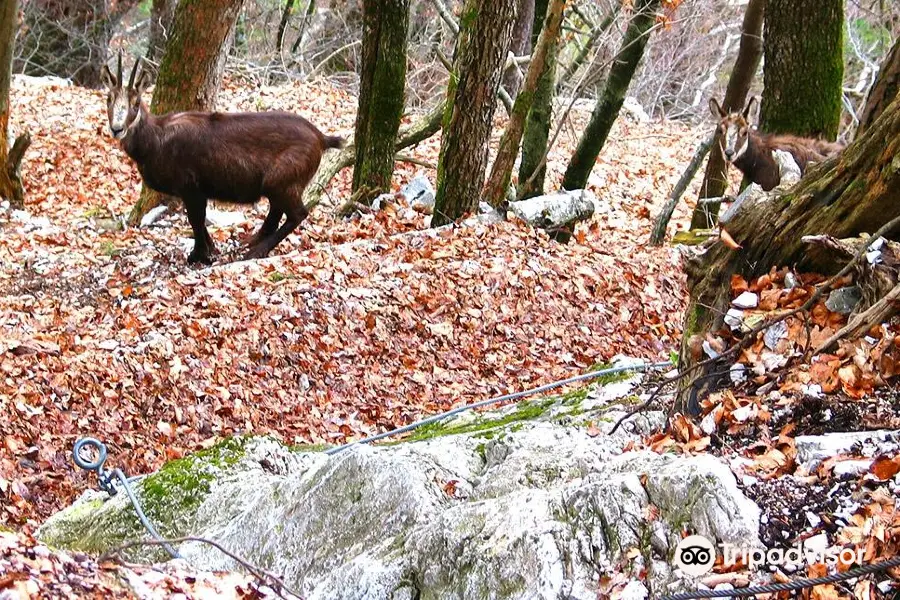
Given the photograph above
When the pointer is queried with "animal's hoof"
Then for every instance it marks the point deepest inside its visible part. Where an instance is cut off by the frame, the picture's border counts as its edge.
(199, 257)
(254, 253)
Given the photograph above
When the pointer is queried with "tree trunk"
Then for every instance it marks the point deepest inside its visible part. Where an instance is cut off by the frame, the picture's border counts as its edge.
(520, 46)
(381, 95)
(803, 73)
(715, 180)
(11, 187)
(161, 14)
(282, 26)
(883, 91)
(857, 191)
(537, 123)
(498, 182)
(191, 69)
(610, 102)
(486, 28)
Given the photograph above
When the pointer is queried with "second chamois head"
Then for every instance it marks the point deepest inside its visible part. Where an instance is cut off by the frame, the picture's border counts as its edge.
(123, 104)
(734, 129)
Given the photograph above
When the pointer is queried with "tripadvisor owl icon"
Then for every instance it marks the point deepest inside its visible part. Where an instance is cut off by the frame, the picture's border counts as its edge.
(695, 555)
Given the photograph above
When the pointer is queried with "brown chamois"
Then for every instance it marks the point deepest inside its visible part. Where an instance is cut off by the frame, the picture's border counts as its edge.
(751, 152)
(233, 157)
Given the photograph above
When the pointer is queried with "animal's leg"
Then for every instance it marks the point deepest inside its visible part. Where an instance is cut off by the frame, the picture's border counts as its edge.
(203, 243)
(291, 201)
(268, 227)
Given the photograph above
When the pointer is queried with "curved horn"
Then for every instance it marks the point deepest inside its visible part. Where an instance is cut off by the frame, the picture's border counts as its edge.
(134, 70)
(119, 75)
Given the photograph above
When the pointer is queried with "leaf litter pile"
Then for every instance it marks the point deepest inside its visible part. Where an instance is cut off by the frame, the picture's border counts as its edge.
(362, 325)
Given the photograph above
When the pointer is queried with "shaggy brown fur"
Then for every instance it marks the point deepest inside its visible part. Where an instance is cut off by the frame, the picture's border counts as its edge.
(751, 152)
(233, 157)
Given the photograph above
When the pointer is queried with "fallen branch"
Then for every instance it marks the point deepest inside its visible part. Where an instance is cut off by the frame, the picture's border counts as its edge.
(662, 221)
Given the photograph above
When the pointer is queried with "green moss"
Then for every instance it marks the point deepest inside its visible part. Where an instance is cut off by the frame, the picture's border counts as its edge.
(310, 447)
(108, 248)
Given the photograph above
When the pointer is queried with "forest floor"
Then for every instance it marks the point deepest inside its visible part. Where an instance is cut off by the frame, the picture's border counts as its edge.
(351, 327)
(361, 325)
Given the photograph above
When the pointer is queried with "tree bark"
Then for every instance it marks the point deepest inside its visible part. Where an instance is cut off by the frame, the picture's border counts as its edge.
(610, 101)
(537, 123)
(883, 91)
(486, 28)
(282, 26)
(855, 192)
(191, 69)
(715, 180)
(803, 73)
(381, 95)
(11, 187)
(161, 14)
(501, 173)
(521, 45)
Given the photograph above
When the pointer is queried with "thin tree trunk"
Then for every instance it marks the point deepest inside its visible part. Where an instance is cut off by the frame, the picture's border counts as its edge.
(161, 14)
(715, 180)
(310, 9)
(883, 91)
(858, 191)
(521, 45)
(282, 26)
(482, 48)
(658, 235)
(803, 73)
(585, 52)
(501, 173)
(192, 68)
(11, 187)
(537, 123)
(381, 95)
(610, 102)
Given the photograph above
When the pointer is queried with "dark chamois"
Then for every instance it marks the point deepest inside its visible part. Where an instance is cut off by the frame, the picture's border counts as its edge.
(234, 157)
(751, 152)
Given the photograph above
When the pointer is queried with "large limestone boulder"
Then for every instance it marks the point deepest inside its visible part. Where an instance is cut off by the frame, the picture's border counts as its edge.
(531, 501)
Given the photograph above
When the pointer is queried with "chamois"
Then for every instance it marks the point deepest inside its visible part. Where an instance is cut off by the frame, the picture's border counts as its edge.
(751, 152)
(233, 157)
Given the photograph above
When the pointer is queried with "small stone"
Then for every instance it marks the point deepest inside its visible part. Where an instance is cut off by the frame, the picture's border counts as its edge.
(746, 300)
(775, 334)
(419, 192)
(734, 317)
(843, 300)
(224, 218)
(153, 215)
(790, 281)
(812, 519)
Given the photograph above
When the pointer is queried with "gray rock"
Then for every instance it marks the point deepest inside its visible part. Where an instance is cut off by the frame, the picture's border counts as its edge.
(521, 502)
(419, 192)
(224, 218)
(153, 215)
(555, 211)
(787, 167)
(746, 300)
(843, 300)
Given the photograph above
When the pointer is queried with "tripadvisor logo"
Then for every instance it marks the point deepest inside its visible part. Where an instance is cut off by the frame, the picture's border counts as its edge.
(695, 556)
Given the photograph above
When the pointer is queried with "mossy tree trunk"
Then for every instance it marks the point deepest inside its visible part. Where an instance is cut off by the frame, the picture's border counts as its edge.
(715, 180)
(883, 91)
(11, 187)
(856, 192)
(381, 95)
(804, 67)
(613, 96)
(191, 69)
(537, 124)
(501, 173)
(482, 46)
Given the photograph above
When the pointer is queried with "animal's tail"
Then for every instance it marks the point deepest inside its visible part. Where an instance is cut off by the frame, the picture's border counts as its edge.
(333, 141)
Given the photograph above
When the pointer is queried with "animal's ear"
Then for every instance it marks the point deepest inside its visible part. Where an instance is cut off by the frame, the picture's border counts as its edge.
(144, 81)
(716, 109)
(109, 80)
(749, 108)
